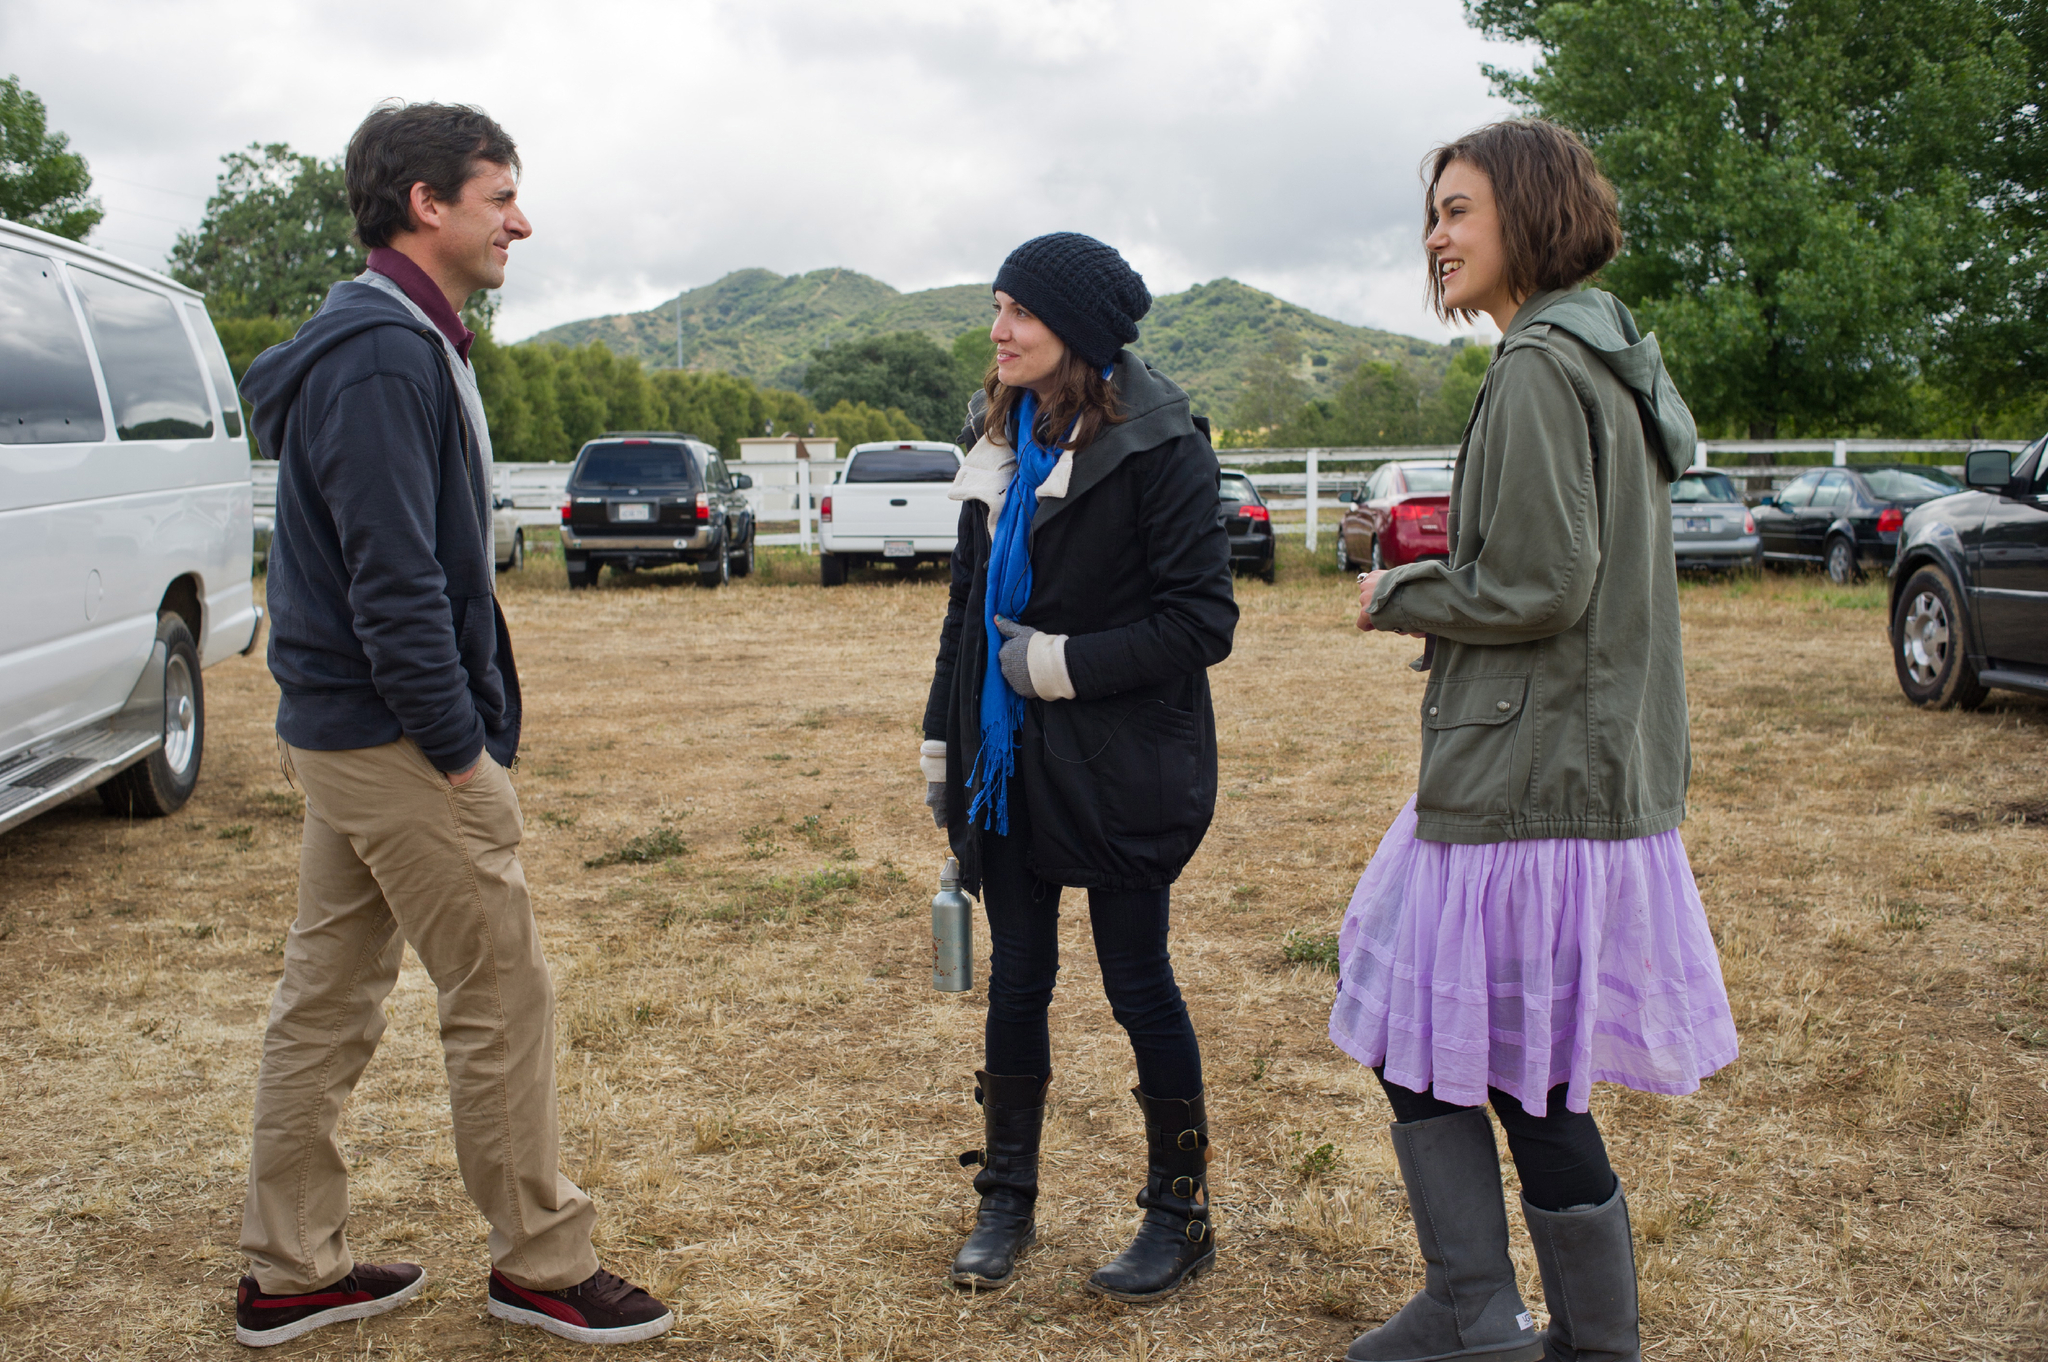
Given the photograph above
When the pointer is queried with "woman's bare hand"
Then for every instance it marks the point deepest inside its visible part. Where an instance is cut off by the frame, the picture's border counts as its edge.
(1368, 583)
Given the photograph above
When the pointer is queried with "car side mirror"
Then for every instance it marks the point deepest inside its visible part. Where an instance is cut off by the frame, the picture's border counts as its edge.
(501, 503)
(1768, 499)
(742, 481)
(1988, 470)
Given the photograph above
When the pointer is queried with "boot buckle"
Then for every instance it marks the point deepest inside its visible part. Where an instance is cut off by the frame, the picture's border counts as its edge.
(1190, 1139)
(1184, 1188)
(1197, 1231)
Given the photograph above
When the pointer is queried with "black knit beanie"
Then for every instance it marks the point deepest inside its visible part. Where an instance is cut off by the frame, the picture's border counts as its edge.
(1081, 288)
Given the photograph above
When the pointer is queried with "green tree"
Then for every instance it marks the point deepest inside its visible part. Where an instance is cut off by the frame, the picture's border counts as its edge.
(1445, 412)
(1799, 186)
(856, 423)
(276, 235)
(42, 183)
(973, 352)
(1378, 404)
(905, 369)
(1273, 391)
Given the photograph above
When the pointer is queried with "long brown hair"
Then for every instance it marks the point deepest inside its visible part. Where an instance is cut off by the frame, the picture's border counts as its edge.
(1079, 392)
(1558, 220)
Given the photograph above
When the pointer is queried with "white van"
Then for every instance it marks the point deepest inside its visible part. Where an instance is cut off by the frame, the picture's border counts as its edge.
(125, 528)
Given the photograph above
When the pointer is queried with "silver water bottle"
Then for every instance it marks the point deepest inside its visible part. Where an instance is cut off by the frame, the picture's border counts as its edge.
(952, 933)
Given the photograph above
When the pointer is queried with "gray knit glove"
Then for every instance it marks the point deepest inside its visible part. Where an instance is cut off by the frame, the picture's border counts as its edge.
(935, 800)
(1015, 658)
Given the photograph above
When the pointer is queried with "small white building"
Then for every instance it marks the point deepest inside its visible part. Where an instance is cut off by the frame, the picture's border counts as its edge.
(771, 461)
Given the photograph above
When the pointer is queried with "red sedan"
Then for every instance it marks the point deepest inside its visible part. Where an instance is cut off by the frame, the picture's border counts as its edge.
(1401, 515)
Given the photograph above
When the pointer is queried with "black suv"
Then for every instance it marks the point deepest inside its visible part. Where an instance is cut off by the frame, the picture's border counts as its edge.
(648, 499)
(1969, 597)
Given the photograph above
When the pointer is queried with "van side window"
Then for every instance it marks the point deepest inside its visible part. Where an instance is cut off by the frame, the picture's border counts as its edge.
(152, 375)
(47, 395)
(217, 365)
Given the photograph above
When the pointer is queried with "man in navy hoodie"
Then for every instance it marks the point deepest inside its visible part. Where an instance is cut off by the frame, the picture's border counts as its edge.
(398, 716)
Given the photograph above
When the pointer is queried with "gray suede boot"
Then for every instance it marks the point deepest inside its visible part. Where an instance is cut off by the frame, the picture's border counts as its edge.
(1589, 1281)
(1468, 1306)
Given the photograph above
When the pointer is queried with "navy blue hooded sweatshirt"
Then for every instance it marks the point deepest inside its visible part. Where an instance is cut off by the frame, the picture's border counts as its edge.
(383, 619)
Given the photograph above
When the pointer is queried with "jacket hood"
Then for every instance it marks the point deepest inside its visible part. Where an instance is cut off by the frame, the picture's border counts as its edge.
(272, 381)
(1605, 324)
(1155, 411)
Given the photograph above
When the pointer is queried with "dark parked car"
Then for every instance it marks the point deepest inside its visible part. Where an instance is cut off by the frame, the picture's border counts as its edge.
(1711, 526)
(1846, 519)
(1248, 522)
(647, 500)
(1401, 515)
(1969, 596)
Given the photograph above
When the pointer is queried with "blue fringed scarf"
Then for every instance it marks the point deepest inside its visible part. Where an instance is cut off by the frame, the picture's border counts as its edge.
(1007, 593)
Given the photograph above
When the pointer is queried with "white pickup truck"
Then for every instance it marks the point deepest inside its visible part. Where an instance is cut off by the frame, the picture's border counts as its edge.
(889, 503)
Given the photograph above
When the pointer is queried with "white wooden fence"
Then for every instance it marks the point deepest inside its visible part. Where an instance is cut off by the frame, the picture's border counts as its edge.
(785, 489)
(1346, 468)
(794, 485)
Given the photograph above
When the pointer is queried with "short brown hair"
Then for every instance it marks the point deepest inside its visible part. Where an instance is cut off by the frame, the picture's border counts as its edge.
(1082, 400)
(400, 145)
(1558, 220)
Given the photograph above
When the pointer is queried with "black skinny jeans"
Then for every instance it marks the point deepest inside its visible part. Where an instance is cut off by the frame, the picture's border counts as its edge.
(1560, 1156)
(1130, 944)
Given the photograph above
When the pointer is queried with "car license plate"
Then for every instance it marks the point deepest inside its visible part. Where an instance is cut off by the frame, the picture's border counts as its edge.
(898, 548)
(636, 510)
(1699, 524)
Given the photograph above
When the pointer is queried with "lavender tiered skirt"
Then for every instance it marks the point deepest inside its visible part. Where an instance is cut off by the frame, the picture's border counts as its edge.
(1523, 965)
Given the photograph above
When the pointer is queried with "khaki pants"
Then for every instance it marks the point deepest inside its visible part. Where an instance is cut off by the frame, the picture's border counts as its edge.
(393, 854)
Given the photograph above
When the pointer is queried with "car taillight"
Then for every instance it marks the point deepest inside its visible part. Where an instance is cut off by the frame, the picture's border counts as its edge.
(1255, 512)
(1748, 523)
(1408, 510)
(1890, 519)
(825, 510)
(704, 506)
(565, 513)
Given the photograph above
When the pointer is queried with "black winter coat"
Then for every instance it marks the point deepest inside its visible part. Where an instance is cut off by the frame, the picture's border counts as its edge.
(1133, 565)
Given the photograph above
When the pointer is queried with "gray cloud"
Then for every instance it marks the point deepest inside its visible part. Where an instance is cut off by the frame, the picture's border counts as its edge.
(914, 140)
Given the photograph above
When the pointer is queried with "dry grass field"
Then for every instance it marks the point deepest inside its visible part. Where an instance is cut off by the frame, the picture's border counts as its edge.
(732, 865)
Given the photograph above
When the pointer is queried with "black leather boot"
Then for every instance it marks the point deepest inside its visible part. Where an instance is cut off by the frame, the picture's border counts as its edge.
(1012, 1119)
(1175, 1241)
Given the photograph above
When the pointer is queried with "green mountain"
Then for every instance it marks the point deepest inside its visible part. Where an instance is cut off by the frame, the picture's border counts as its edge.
(764, 326)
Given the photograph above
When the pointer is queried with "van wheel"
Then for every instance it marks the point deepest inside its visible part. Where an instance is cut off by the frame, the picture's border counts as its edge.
(161, 782)
(581, 573)
(1930, 647)
(831, 570)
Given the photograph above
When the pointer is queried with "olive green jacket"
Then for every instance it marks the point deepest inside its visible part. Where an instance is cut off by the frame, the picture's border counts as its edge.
(1556, 697)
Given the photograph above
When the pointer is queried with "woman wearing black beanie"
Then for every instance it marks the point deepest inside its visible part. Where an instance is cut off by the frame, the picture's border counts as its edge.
(1069, 739)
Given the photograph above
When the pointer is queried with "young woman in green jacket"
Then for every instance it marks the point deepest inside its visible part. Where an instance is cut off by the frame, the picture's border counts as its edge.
(1529, 925)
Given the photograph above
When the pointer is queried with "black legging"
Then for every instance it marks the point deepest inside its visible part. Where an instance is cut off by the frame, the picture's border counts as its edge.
(1560, 1156)
(1130, 944)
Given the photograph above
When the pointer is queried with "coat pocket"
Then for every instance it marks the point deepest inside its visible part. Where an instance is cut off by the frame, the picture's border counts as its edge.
(1118, 783)
(1470, 732)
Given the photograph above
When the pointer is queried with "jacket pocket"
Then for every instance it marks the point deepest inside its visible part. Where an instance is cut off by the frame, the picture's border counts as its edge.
(1115, 785)
(1470, 728)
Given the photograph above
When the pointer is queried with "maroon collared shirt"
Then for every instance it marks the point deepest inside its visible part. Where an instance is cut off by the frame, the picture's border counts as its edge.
(425, 294)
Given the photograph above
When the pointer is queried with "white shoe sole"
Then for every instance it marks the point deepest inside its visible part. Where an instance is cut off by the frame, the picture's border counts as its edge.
(285, 1333)
(632, 1333)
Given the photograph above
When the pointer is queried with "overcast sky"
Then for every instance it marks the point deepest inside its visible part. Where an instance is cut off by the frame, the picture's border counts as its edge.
(666, 144)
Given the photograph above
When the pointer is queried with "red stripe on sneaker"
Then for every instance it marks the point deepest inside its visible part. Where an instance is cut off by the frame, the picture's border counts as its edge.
(547, 1305)
(324, 1298)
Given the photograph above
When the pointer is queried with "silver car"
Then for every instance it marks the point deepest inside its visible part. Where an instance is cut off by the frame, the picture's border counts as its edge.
(509, 539)
(1711, 526)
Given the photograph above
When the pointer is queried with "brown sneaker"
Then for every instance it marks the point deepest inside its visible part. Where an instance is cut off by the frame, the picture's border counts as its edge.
(373, 1288)
(603, 1309)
